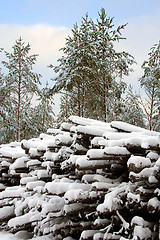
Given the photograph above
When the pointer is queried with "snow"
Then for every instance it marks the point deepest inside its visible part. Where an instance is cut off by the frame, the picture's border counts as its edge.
(111, 200)
(139, 162)
(54, 205)
(152, 155)
(80, 148)
(48, 156)
(82, 180)
(33, 152)
(112, 143)
(95, 154)
(87, 234)
(144, 174)
(116, 151)
(100, 178)
(158, 162)
(32, 201)
(60, 188)
(133, 198)
(117, 135)
(2, 187)
(141, 233)
(51, 143)
(95, 141)
(139, 221)
(150, 141)
(89, 130)
(152, 179)
(44, 136)
(64, 139)
(73, 208)
(66, 126)
(81, 121)
(19, 163)
(6, 212)
(12, 153)
(19, 236)
(153, 202)
(42, 174)
(134, 141)
(33, 162)
(69, 162)
(7, 236)
(20, 220)
(29, 143)
(57, 187)
(5, 164)
(74, 195)
(98, 236)
(53, 131)
(42, 147)
(88, 178)
(12, 193)
(47, 164)
(83, 186)
(23, 235)
(131, 128)
(32, 185)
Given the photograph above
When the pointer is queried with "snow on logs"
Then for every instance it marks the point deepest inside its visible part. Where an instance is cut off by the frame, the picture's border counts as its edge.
(86, 180)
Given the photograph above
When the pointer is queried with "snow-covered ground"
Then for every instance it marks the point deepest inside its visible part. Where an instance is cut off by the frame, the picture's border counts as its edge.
(9, 236)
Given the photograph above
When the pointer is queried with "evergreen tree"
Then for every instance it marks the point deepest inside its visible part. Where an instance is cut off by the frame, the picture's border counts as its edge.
(42, 115)
(7, 110)
(75, 70)
(67, 108)
(21, 83)
(150, 81)
(112, 65)
(132, 111)
(90, 67)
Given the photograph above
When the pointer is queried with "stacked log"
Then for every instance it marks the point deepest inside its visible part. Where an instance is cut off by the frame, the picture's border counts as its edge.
(86, 180)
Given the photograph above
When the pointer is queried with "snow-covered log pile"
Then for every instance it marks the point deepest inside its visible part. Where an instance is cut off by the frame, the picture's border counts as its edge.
(86, 180)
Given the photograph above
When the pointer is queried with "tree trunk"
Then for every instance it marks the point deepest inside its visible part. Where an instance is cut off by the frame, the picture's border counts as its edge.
(19, 103)
(151, 112)
(104, 91)
(79, 102)
(83, 94)
(104, 98)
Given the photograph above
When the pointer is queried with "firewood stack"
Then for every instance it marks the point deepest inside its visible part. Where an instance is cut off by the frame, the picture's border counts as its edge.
(86, 180)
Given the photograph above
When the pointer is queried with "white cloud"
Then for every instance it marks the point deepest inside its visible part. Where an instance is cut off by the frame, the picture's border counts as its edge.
(45, 40)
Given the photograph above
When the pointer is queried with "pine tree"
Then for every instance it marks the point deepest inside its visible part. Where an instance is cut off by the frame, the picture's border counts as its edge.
(132, 112)
(75, 68)
(43, 114)
(7, 110)
(112, 65)
(21, 83)
(150, 81)
(90, 67)
(68, 107)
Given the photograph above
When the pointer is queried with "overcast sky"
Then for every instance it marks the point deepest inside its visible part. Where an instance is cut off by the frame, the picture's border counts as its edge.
(46, 23)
